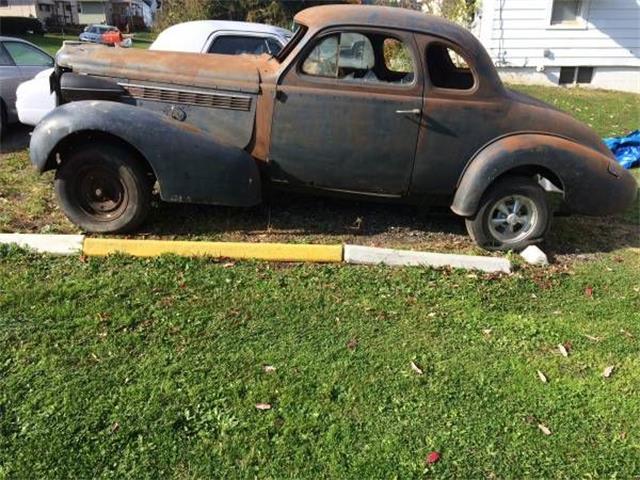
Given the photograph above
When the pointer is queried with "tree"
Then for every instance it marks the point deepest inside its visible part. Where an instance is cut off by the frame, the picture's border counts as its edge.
(273, 12)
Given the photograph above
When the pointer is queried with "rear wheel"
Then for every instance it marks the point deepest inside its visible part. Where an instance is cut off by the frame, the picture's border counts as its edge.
(513, 213)
(102, 188)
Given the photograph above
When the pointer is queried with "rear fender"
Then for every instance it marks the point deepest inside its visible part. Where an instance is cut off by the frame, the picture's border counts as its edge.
(189, 165)
(592, 182)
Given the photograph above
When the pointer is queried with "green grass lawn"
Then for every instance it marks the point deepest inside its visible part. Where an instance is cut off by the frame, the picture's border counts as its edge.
(128, 368)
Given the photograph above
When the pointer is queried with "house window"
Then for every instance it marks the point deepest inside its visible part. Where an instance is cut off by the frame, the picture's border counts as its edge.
(571, 75)
(567, 12)
(567, 75)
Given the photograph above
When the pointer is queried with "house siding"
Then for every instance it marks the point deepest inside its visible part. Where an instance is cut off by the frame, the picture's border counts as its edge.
(92, 12)
(518, 36)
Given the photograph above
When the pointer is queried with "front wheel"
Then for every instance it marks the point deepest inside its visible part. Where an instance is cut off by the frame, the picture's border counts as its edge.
(102, 188)
(513, 213)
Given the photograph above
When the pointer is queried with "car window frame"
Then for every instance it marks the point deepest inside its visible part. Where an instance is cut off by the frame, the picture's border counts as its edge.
(404, 36)
(33, 47)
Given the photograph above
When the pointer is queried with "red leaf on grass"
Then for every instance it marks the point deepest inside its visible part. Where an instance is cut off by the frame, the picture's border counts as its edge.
(589, 291)
(433, 457)
(352, 344)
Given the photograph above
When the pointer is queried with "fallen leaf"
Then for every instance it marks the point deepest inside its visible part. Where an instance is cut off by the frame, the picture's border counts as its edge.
(269, 368)
(563, 350)
(352, 344)
(542, 377)
(544, 429)
(228, 264)
(588, 292)
(431, 314)
(263, 406)
(592, 338)
(416, 368)
(486, 331)
(115, 427)
(608, 371)
(433, 457)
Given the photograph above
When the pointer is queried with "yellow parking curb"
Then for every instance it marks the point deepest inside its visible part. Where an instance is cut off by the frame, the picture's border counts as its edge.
(283, 252)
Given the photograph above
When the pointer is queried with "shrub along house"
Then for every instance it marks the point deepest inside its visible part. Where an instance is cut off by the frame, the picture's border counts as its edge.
(586, 42)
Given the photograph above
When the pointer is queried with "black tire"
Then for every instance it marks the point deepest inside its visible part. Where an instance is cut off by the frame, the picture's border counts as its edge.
(496, 226)
(103, 188)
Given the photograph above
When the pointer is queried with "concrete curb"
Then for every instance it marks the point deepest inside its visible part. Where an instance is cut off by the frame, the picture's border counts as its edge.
(56, 244)
(278, 252)
(386, 256)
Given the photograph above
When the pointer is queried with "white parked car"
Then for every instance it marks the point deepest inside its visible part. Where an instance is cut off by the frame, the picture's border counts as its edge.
(34, 98)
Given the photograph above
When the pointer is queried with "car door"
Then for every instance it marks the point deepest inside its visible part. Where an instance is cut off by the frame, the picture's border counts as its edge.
(10, 78)
(347, 113)
(29, 59)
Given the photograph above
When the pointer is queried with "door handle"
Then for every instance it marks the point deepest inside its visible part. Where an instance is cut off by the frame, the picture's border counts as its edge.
(413, 111)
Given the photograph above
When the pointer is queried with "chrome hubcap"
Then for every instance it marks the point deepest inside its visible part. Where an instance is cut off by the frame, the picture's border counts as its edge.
(513, 218)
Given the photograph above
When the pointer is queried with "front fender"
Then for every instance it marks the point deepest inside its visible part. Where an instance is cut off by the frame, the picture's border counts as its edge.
(189, 165)
(592, 182)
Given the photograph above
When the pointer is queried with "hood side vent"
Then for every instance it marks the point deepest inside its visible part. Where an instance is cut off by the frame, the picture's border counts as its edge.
(197, 98)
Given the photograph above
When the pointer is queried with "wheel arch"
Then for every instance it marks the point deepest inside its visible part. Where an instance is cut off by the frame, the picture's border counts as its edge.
(81, 138)
(578, 171)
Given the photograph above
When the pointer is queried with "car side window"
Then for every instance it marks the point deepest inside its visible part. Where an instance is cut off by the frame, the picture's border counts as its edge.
(5, 59)
(448, 68)
(274, 46)
(237, 45)
(356, 57)
(26, 55)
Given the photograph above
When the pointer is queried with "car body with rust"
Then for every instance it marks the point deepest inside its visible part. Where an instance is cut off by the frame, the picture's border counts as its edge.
(370, 102)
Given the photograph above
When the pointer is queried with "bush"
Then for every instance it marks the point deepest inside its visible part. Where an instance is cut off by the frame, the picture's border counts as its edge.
(21, 26)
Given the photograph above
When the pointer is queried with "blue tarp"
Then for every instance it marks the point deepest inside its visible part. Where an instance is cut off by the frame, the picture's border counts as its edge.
(626, 149)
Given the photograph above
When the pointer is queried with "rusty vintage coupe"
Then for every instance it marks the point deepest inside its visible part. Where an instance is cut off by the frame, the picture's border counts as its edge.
(370, 102)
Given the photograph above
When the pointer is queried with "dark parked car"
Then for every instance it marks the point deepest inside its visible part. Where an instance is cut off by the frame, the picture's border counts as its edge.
(368, 102)
(19, 61)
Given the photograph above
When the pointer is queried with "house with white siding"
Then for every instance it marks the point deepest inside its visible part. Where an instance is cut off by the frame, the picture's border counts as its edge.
(564, 42)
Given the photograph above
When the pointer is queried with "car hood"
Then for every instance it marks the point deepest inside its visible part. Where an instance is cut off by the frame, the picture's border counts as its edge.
(238, 73)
